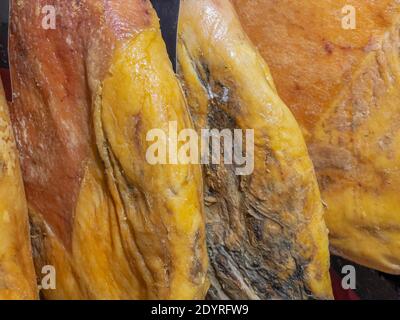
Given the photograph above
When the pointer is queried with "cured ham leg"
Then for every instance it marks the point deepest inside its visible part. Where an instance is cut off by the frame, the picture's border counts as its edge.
(343, 86)
(265, 231)
(86, 95)
(17, 275)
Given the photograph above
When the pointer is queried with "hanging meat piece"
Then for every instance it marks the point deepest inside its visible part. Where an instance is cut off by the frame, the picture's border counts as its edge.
(337, 66)
(17, 275)
(88, 87)
(265, 231)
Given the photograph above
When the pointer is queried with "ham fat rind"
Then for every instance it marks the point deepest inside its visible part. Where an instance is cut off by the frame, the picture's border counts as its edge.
(343, 85)
(17, 275)
(265, 231)
(85, 95)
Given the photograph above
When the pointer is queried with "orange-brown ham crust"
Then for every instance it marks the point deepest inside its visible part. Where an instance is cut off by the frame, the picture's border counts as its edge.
(56, 73)
(297, 44)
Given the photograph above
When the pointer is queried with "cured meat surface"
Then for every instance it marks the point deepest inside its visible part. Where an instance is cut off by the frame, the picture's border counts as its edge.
(343, 86)
(85, 96)
(17, 276)
(265, 231)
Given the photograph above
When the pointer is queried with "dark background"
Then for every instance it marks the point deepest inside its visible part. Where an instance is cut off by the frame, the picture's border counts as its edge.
(371, 284)
(3, 33)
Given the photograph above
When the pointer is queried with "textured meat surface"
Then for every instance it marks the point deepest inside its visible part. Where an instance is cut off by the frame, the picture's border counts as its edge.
(344, 88)
(17, 276)
(85, 96)
(265, 231)
(59, 69)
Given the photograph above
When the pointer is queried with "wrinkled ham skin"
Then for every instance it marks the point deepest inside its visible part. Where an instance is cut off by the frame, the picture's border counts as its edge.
(17, 275)
(113, 226)
(343, 87)
(265, 232)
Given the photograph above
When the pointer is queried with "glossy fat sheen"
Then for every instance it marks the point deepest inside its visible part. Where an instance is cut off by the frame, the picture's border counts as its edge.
(17, 276)
(344, 88)
(113, 226)
(265, 232)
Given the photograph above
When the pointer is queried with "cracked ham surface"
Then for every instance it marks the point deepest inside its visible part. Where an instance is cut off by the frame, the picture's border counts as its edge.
(266, 235)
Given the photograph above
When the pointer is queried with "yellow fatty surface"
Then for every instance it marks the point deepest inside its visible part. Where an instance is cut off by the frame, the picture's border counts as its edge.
(343, 87)
(214, 48)
(17, 276)
(139, 228)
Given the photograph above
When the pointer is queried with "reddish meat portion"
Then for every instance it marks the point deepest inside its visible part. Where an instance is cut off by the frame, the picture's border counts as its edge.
(5, 77)
(56, 72)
